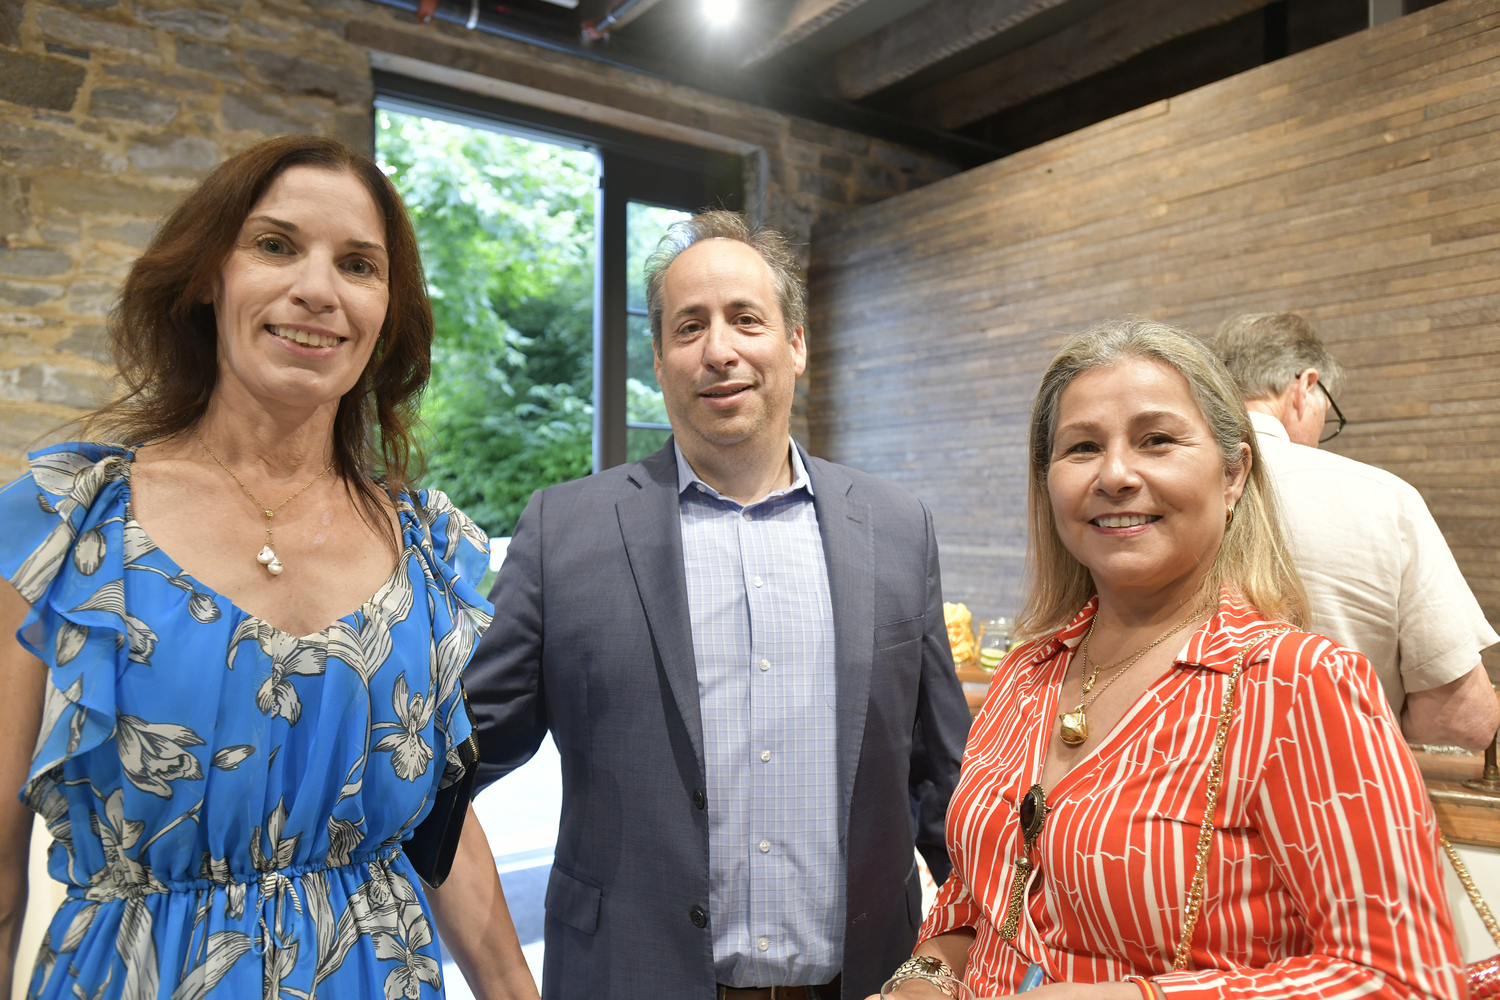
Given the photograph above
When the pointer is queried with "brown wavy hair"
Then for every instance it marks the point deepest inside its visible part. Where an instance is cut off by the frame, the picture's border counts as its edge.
(164, 335)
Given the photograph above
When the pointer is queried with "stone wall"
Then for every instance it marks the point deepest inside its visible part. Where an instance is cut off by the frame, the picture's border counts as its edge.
(110, 110)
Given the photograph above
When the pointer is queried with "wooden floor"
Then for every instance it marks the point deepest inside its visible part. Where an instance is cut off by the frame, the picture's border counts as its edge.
(1357, 183)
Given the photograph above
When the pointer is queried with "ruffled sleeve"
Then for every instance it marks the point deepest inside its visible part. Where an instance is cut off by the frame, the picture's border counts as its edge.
(457, 541)
(457, 554)
(63, 550)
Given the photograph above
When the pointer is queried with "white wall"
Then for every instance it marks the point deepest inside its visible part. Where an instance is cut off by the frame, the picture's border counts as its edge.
(1484, 866)
(44, 899)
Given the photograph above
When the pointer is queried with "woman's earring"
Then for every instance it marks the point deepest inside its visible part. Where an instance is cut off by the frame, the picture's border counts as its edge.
(1228, 516)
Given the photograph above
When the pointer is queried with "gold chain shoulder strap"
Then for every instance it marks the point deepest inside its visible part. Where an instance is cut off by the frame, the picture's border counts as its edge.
(1472, 889)
(1194, 905)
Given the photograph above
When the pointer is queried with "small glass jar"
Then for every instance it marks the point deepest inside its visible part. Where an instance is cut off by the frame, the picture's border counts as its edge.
(995, 644)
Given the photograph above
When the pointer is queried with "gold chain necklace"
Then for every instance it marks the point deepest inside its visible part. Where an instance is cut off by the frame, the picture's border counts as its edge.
(1075, 724)
(1088, 682)
(267, 555)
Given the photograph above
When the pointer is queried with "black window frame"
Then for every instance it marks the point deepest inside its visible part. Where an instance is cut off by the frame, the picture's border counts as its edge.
(632, 168)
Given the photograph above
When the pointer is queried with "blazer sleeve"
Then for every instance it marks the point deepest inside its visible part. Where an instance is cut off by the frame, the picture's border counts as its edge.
(504, 680)
(942, 726)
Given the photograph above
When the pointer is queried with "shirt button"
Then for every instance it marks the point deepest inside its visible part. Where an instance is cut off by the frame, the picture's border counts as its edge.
(749, 516)
(758, 582)
(765, 664)
(765, 847)
(765, 755)
(700, 487)
(764, 944)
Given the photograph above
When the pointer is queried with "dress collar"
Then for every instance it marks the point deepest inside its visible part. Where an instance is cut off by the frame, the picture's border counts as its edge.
(1215, 645)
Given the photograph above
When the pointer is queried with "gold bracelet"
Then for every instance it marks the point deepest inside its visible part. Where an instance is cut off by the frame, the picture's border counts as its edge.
(934, 970)
(938, 984)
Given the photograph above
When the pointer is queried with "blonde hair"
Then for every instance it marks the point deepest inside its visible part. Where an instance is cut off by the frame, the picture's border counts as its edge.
(1252, 559)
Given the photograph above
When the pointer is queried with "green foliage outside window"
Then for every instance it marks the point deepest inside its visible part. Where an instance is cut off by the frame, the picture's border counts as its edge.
(506, 227)
(644, 227)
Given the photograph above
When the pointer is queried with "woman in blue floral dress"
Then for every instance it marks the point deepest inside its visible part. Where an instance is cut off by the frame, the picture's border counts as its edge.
(231, 654)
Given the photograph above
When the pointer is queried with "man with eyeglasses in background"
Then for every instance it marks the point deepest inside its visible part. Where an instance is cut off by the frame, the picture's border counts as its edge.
(1378, 572)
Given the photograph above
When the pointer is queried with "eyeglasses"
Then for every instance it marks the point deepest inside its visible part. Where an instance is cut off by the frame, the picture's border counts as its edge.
(1338, 415)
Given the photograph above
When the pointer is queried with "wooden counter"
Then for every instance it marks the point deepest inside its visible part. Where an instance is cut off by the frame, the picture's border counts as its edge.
(1467, 816)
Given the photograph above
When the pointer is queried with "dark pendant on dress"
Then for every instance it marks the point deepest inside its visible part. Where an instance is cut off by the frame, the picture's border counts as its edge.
(1075, 728)
(1033, 814)
(1033, 811)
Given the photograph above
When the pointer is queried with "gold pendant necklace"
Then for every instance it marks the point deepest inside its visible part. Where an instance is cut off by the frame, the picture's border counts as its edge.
(267, 554)
(1075, 724)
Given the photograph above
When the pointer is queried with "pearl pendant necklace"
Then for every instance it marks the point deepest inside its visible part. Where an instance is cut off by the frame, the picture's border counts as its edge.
(267, 554)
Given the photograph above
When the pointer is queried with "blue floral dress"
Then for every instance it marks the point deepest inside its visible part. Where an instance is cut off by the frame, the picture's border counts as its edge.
(228, 801)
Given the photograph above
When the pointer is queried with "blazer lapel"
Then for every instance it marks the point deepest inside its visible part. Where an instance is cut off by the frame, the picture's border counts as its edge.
(652, 532)
(849, 550)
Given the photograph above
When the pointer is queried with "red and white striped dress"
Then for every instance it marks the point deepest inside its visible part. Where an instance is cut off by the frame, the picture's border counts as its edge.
(1324, 879)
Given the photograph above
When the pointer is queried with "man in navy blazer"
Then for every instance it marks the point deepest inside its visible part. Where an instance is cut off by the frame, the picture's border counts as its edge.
(741, 655)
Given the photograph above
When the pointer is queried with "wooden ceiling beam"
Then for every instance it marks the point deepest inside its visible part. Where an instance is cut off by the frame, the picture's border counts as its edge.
(1106, 39)
(804, 18)
(921, 39)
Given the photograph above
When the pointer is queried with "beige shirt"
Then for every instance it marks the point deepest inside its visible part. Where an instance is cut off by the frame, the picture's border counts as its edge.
(1378, 571)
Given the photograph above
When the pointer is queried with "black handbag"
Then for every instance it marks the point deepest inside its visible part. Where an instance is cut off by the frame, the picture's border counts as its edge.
(434, 843)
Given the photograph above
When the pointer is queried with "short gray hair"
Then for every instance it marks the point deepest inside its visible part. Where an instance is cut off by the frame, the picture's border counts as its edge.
(774, 248)
(1266, 351)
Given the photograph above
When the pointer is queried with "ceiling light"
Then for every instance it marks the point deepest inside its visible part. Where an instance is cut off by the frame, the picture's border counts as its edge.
(720, 13)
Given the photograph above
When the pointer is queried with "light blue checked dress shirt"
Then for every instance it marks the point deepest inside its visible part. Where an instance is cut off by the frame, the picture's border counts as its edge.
(762, 621)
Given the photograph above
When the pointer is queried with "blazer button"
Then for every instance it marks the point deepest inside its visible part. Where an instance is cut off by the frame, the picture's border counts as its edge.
(698, 917)
(699, 799)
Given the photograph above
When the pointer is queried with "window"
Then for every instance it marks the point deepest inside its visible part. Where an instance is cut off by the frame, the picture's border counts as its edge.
(646, 427)
(644, 184)
(507, 234)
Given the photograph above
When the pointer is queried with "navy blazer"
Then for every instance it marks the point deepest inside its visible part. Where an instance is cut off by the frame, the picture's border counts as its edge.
(592, 640)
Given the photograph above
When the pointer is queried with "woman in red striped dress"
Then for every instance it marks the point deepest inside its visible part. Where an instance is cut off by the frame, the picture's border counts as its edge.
(1158, 560)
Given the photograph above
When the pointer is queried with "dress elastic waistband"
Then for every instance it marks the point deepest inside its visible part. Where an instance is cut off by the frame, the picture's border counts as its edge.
(127, 879)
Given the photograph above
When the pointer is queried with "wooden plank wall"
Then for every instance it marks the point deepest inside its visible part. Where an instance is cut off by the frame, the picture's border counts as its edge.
(1357, 183)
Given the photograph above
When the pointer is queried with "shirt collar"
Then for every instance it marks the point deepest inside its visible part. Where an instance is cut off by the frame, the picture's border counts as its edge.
(1214, 646)
(1264, 423)
(1218, 642)
(686, 477)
